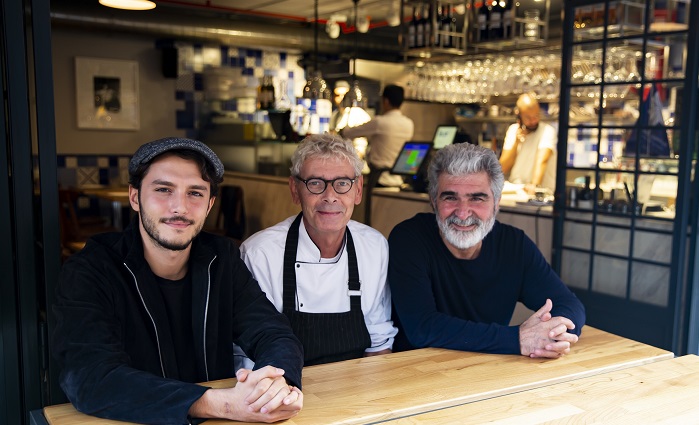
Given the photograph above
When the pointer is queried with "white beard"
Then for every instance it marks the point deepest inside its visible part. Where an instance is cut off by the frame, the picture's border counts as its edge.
(464, 239)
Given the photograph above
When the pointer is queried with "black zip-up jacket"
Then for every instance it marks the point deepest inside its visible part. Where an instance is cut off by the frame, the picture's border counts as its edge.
(113, 341)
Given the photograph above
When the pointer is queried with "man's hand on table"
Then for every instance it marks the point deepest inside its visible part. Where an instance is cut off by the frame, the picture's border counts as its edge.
(258, 396)
(542, 335)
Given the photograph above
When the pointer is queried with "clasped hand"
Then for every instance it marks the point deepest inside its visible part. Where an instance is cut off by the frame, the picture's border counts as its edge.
(542, 335)
(262, 395)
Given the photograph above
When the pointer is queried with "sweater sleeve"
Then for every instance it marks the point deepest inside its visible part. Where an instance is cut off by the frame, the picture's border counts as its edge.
(96, 375)
(540, 282)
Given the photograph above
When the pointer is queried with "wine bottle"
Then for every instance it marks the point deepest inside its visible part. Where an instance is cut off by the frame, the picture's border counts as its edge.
(450, 25)
(483, 17)
(438, 37)
(445, 25)
(412, 30)
(507, 20)
(495, 21)
(420, 31)
(427, 30)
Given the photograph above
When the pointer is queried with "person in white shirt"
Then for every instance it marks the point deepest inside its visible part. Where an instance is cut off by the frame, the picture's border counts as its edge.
(386, 134)
(529, 151)
(325, 272)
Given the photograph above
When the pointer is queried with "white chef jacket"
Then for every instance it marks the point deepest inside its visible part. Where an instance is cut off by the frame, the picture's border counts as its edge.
(523, 170)
(321, 283)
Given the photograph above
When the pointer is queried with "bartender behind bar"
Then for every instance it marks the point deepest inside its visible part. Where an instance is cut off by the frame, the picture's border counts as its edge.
(528, 153)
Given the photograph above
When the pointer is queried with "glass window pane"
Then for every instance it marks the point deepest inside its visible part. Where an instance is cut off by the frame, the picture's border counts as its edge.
(652, 246)
(620, 105)
(575, 267)
(622, 60)
(587, 64)
(625, 17)
(622, 18)
(670, 15)
(611, 240)
(582, 147)
(577, 235)
(650, 284)
(609, 276)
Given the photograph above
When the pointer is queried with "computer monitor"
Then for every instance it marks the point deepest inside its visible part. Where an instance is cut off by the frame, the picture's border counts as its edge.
(411, 158)
(412, 164)
(444, 135)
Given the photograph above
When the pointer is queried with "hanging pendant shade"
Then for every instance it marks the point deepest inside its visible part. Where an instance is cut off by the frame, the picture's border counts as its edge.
(354, 97)
(316, 87)
(128, 4)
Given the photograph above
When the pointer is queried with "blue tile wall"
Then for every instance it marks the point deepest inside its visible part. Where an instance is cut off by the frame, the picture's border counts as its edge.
(83, 170)
(193, 59)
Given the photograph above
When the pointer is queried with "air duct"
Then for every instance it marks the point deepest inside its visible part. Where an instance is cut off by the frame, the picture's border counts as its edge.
(224, 29)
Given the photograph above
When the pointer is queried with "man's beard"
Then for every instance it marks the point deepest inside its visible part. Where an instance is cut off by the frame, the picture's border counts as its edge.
(150, 226)
(464, 239)
(531, 129)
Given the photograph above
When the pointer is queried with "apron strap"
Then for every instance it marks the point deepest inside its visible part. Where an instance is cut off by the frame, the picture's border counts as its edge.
(354, 285)
(292, 242)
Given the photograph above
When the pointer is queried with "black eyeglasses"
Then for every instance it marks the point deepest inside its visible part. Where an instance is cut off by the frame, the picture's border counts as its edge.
(317, 186)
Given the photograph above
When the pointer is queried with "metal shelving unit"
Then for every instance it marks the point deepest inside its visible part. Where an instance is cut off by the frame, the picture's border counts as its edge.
(434, 41)
(628, 254)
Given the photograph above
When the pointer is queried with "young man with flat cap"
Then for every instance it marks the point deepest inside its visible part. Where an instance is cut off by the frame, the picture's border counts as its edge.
(144, 314)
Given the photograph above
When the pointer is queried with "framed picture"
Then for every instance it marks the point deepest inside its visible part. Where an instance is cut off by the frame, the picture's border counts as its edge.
(107, 94)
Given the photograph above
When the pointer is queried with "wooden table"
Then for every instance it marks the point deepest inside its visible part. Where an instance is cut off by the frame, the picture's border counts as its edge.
(656, 393)
(374, 389)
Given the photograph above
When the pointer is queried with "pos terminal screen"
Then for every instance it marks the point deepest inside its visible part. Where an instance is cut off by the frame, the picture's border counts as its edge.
(411, 158)
(444, 135)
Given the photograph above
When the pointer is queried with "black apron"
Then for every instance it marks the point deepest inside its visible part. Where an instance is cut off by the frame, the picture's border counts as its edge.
(326, 337)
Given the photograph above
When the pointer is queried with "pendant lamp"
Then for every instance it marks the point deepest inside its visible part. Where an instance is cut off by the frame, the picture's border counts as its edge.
(355, 97)
(316, 87)
(128, 4)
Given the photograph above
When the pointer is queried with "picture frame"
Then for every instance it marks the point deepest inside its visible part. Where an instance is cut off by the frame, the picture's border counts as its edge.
(107, 94)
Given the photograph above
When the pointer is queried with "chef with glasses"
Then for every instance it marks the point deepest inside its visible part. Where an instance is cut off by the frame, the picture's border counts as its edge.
(324, 271)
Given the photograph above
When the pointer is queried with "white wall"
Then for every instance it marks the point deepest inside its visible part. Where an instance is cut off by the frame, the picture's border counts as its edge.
(156, 97)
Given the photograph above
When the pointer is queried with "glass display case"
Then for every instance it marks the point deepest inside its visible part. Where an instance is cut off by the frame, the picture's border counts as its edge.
(625, 162)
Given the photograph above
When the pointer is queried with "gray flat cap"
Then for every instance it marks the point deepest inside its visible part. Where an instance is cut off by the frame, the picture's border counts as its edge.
(150, 150)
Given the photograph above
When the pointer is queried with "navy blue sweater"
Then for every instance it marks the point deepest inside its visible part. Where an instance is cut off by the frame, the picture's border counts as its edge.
(442, 301)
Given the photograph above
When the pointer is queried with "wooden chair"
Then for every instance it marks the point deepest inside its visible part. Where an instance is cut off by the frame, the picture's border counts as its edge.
(230, 217)
(75, 229)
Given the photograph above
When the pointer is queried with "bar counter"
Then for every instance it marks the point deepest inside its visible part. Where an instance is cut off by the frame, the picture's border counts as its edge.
(268, 201)
(392, 386)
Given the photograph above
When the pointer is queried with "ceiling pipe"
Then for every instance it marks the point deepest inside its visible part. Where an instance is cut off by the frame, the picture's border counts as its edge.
(224, 29)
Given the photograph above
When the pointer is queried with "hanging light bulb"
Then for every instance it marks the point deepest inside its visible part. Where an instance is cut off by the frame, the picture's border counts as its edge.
(128, 4)
(316, 87)
(355, 97)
